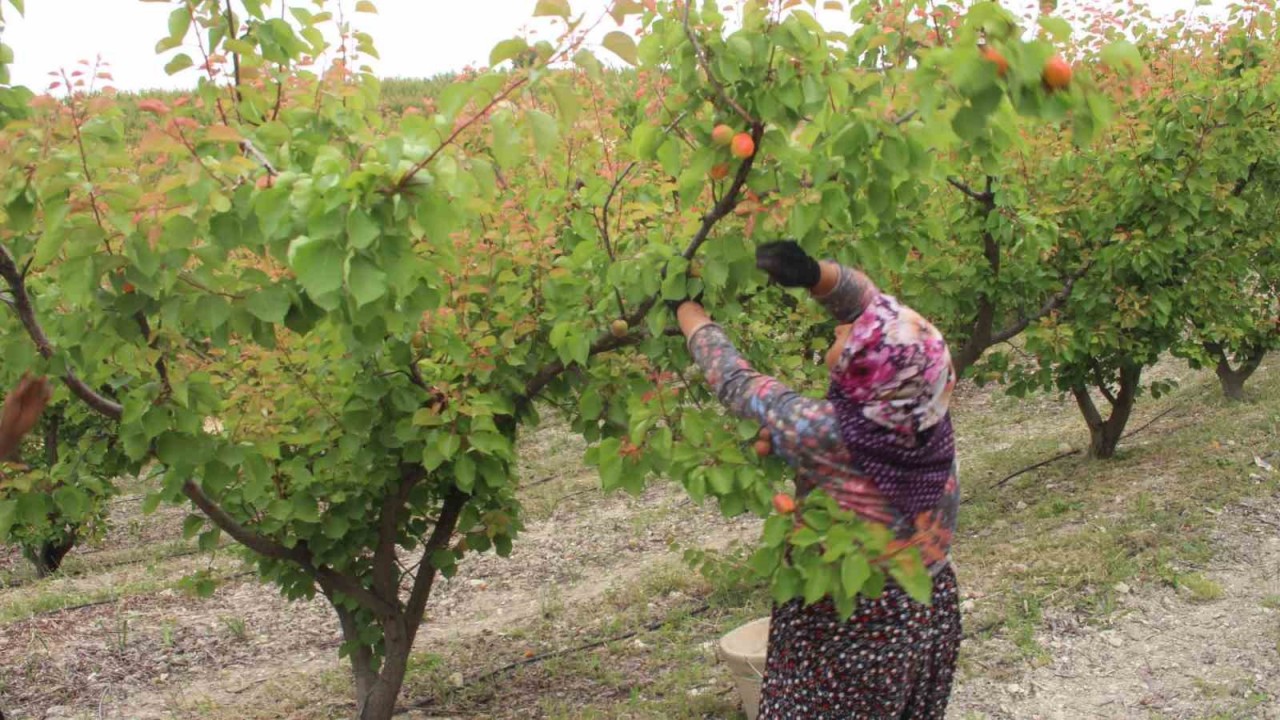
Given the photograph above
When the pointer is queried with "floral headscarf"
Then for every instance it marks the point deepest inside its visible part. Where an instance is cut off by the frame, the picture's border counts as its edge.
(891, 389)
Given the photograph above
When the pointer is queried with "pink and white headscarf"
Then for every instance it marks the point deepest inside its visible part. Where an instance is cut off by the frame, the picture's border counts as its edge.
(891, 389)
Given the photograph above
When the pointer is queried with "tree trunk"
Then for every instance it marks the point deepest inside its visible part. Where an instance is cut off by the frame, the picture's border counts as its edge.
(1105, 433)
(1233, 379)
(378, 689)
(47, 558)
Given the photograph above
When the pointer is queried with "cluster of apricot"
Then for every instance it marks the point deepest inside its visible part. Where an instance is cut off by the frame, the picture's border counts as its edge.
(741, 146)
(1056, 74)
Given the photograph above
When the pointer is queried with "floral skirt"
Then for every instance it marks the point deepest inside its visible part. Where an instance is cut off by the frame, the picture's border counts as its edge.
(893, 660)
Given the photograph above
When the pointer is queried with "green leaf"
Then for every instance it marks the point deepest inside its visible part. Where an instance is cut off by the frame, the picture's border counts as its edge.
(968, 122)
(8, 513)
(854, 572)
(191, 525)
(589, 64)
(1122, 55)
(1058, 29)
(804, 537)
(909, 572)
(816, 585)
(609, 463)
(318, 265)
(721, 479)
(776, 529)
(552, 8)
(506, 50)
(464, 474)
(208, 539)
(180, 62)
(546, 132)
(179, 22)
(622, 45)
(786, 585)
(335, 526)
(72, 502)
(269, 304)
(361, 229)
(366, 6)
(366, 281)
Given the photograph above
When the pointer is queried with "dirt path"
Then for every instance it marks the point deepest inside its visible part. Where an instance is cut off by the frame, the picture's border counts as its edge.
(1162, 655)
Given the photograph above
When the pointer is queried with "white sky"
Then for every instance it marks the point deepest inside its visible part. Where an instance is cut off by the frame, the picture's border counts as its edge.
(416, 38)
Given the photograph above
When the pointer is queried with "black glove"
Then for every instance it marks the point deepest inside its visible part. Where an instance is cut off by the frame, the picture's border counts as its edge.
(787, 264)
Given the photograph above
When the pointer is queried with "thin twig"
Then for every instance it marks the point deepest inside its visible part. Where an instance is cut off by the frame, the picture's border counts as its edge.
(711, 78)
(484, 112)
(249, 149)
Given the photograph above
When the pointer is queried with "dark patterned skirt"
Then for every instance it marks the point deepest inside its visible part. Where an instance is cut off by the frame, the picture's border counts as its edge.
(893, 660)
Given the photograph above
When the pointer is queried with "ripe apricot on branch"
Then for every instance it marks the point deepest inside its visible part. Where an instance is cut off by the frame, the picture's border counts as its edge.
(719, 171)
(722, 135)
(784, 504)
(994, 57)
(743, 146)
(1057, 73)
(763, 448)
(619, 328)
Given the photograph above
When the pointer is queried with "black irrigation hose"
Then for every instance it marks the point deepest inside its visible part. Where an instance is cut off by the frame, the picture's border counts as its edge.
(650, 627)
(1061, 456)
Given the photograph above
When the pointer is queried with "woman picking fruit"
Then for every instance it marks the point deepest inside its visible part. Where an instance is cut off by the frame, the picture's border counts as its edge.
(881, 445)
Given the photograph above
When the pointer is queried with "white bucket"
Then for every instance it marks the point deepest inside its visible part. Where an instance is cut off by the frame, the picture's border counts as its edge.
(744, 650)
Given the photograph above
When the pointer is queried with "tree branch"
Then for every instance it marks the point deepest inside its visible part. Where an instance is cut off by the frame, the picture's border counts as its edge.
(1101, 382)
(449, 513)
(26, 313)
(1090, 411)
(1053, 302)
(329, 580)
(981, 197)
(607, 341)
(384, 556)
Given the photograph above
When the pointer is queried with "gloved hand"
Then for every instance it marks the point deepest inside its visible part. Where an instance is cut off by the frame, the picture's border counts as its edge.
(788, 264)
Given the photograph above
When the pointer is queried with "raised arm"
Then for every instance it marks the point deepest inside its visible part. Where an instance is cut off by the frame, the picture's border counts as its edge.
(797, 424)
(845, 292)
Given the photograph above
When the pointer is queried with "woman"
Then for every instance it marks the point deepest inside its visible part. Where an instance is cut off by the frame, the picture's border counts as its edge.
(881, 444)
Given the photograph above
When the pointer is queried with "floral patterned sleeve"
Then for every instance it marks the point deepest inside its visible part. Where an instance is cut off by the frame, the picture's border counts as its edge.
(800, 426)
(853, 292)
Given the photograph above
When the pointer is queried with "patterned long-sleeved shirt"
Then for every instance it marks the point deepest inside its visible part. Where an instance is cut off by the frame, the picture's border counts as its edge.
(806, 434)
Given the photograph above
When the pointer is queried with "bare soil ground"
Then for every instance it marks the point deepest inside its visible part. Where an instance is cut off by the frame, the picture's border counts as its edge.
(1144, 588)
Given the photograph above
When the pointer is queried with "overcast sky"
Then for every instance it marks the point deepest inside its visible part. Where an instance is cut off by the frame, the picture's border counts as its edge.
(415, 38)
